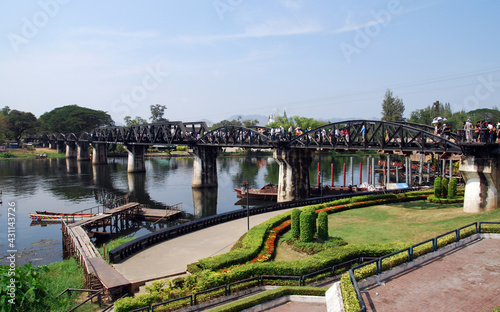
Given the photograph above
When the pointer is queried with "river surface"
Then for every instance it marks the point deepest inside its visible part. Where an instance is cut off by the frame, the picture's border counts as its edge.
(66, 185)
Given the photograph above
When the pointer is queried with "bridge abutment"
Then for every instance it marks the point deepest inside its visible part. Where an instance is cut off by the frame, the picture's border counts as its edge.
(205, 166)
(99, 153)
(136, 161)
(293, 173)
(482, 178)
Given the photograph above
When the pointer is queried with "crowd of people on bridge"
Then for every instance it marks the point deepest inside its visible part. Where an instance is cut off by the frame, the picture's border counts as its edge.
(280, 134)
(482, 132)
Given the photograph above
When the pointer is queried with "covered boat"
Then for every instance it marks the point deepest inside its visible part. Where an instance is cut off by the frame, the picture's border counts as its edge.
(267, 192)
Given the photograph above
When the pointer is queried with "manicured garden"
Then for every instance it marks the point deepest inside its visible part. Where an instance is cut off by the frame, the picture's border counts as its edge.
(386, 223)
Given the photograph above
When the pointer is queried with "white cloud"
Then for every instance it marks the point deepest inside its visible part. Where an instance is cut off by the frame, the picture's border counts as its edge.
(270, 28)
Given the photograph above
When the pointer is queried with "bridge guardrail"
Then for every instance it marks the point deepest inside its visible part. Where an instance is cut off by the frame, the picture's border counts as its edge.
(128, 249)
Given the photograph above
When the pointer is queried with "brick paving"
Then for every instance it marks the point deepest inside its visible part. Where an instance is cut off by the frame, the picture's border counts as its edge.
(464, 279)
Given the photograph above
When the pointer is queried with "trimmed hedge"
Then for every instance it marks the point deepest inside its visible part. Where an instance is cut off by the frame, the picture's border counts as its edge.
(444, 186)
(295, 227)
(323, 225)
(349, 297)
(307, 223)
(452, 188)
(270, 295)
(251, 245)
(438, 187)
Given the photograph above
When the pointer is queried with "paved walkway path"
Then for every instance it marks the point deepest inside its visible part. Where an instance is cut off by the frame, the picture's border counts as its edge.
(465, 279)
(172, 257)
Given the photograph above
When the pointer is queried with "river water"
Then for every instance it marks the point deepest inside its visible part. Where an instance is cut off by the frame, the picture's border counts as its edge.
(66, 185)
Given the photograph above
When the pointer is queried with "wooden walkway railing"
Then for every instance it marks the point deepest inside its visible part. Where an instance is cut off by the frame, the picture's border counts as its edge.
(98, 273)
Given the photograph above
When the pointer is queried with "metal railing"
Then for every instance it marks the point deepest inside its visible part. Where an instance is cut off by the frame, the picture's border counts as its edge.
(435, 245)
(227, 289)
(97, 293)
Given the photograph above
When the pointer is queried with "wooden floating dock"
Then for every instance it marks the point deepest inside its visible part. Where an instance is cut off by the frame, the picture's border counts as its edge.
(76, 242)
(157, 215)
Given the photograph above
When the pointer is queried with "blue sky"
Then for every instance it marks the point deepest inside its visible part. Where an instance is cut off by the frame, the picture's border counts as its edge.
(212, 59)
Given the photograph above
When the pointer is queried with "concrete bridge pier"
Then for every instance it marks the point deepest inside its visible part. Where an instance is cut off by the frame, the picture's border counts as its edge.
(136, 162)
(53, 144)
(482, 178)
(83, 151)
(71, 149)
(205, 166)
(99, 153)
(293, 173)
(61, 147)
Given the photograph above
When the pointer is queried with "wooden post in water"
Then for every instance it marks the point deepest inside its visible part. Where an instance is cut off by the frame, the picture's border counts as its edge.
(344, 174)
(373, 171)
(352, 171)
(360, 173)
(331, 169)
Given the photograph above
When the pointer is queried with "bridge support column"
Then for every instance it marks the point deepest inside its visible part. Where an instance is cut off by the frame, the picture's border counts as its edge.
(71, 150)
(136, 161)
(99, 153)
(293, 174)
(83, 151)
(61, 147)
(205, 166)
(482, 178)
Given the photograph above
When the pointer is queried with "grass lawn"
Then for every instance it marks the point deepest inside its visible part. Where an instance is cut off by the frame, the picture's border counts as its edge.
(410, 222)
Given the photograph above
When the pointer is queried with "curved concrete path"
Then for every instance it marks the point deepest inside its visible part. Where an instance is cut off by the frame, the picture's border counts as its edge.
(172, 257)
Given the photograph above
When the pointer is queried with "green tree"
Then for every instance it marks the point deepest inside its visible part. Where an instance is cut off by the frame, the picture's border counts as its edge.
(157, 112)
(296, 121)
(238, 122)
(74, 119)
(392, 108)
(136, 121)
(19, 123)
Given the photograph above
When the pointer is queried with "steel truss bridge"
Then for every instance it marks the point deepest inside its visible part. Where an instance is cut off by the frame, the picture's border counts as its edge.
(362, 135)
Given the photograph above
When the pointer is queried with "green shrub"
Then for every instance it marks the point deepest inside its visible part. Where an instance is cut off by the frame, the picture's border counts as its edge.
(24, 282)
(307, 223)
(452, 188)
(295, 226)
(438, 187)
(349, 297)
(269, 296)
(251, 245)
(7, 155)
(323, 225)
(444, 188)
(181, 148)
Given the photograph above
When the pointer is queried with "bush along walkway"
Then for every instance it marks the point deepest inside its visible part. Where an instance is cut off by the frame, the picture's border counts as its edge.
(254, 251)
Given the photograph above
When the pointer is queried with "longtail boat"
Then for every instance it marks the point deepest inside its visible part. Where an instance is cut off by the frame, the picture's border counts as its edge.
(54, 216)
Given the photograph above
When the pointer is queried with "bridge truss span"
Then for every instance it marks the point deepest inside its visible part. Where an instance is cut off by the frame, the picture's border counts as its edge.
(238, 136)
(164, 133)
(374, 135)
